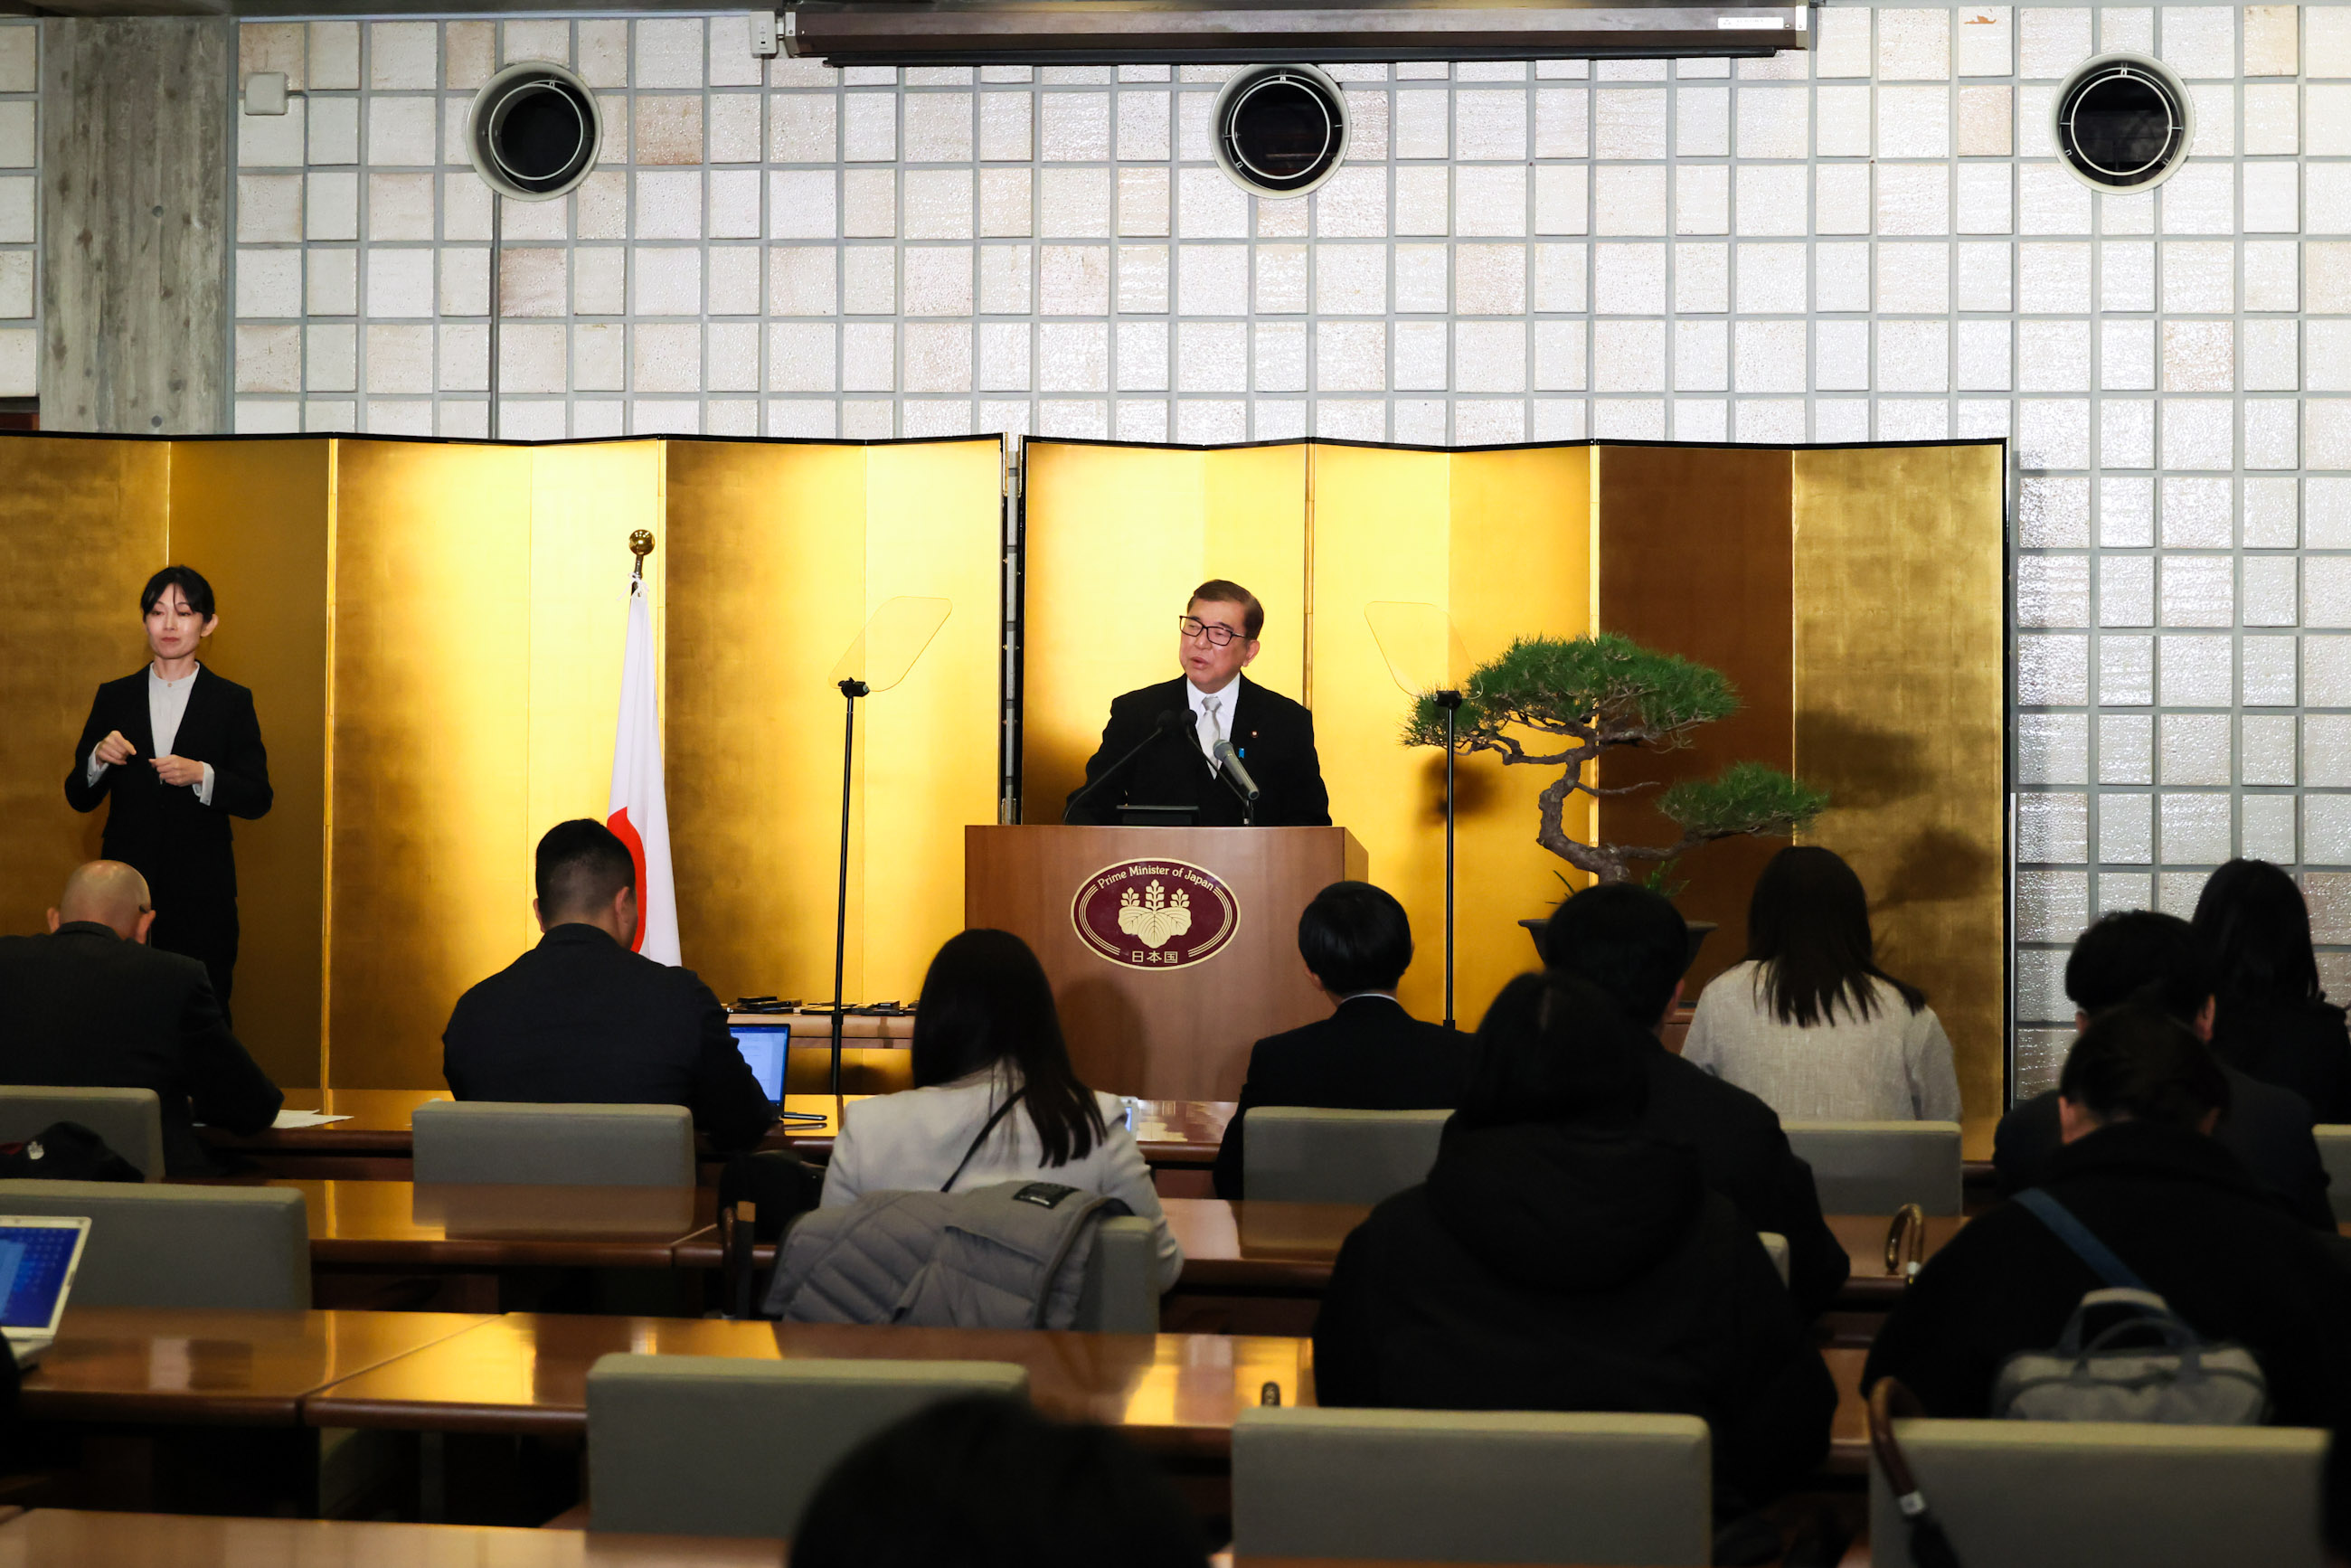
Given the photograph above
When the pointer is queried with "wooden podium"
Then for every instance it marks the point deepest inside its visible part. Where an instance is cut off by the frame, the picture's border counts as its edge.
(1171, 950)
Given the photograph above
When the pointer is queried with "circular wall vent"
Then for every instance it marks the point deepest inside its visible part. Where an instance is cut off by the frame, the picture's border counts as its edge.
(2123, 122)
(534, 131)
(1281, 129)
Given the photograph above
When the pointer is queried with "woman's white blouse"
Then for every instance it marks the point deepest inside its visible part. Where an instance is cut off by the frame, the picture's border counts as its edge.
(912, 1141)
(1893, 1066)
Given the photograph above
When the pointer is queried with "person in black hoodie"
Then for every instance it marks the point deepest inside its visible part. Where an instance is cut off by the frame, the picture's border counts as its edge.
(2272, 1022)
(1633, 945)
(1559, 1258)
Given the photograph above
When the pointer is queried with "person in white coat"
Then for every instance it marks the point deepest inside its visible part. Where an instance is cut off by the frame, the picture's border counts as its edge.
(1808, 1023)
(994, 1098)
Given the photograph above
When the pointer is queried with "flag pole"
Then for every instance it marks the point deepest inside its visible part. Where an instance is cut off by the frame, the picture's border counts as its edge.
(850, 690)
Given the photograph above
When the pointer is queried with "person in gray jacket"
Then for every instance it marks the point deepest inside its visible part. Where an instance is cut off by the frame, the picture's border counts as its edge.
(994, 1098)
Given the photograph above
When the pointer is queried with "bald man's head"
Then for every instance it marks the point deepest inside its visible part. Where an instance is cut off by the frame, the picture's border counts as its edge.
(109, 894)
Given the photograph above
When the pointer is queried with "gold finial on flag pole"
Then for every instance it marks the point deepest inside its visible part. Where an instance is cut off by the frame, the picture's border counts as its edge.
(640, 545)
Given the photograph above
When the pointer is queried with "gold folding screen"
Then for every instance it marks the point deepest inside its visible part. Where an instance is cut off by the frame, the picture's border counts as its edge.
(1848, 594)
(1899, 704)
(433, 632)
(782, 552)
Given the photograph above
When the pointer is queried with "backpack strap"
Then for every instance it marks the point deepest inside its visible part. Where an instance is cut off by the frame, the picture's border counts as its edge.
(2077, 1236)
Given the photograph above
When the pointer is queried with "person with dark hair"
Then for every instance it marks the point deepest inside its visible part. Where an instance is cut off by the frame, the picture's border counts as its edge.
(1559, 1258)
(1807, 1021)
(983, 1481)
(994, 1098)
(2272, 1022)
(178, 751)
(1369, 1055)
(1160, 747)
(2141, 956)
(2140, 1095)
(579, 1019)
(1632, 944)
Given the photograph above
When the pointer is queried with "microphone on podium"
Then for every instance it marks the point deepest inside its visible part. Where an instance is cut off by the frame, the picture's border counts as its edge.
(1236, 771)
(1174, 721)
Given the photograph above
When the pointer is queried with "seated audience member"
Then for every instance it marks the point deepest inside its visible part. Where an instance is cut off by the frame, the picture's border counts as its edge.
(2271, 1021)
(985, 1482)
(579, 1019)
(994, 1098)
(2137, 1101)
(91, 1006)
(2140, 955)
(1369, 1055)
(1560, 1258)
(1633, 945)
(1808, 1022)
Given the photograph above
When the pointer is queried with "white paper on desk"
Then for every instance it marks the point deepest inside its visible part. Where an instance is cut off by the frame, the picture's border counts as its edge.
(287, 1119)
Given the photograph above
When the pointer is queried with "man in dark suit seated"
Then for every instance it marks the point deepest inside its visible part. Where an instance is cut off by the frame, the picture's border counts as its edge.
(1369, 1055)
(2140, 955)
(91, 1006)
(1159, 748)
(1633, 945)
(579, 1019)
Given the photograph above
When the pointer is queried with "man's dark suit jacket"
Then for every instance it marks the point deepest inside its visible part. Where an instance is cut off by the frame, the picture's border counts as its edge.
(1370, 1055)
(2266, 1127)
(581, 1019)
(178, 844)
(1274, 735)
(1745, 1156)
(84, 1009)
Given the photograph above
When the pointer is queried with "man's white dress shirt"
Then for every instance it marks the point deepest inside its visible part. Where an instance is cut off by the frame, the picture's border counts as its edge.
(167, 704)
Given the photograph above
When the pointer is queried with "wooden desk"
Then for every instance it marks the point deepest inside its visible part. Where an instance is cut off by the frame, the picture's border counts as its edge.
(64, 1537)
(444, 1226)
(527, 1375)
(1289, 1248)
(218, 1368)
(1849, 1429)
(1181, 1133)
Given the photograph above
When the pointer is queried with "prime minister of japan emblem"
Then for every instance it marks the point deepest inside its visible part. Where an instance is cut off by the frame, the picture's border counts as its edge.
(1154, 914)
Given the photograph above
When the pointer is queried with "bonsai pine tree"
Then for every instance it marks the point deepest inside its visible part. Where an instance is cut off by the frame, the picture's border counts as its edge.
(1561, 702)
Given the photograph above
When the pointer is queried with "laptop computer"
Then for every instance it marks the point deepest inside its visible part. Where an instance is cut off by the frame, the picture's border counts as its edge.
(763, 1046)
(38, 1259)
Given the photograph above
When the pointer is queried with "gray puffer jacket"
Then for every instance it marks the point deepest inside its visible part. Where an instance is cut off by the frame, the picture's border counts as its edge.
(1010, 1256)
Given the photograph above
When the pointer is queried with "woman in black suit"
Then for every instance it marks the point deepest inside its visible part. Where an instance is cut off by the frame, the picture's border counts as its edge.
(179, 749)
(2271, 1021)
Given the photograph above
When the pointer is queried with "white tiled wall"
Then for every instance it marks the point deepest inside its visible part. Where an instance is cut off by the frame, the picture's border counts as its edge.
(1871, 241)
(20, 157)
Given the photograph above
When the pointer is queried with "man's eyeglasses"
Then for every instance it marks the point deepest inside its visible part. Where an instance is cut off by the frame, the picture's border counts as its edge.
(1217, 637)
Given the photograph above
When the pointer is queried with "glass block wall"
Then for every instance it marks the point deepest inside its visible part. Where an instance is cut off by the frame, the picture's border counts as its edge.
(20, 160)
(1869, 241)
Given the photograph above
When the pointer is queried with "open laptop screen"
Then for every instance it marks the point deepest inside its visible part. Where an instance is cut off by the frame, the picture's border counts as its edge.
(763, 1046)
(37, 1261)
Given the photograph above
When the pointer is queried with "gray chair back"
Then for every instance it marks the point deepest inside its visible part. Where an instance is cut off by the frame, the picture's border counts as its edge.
(2059, 1494)
(129, 1120)
(1121, 1294)
(158, 1246)
(1299, 1154)
(699, 1445)
(1875, 1167)
(494, 1143)
(2334, 1151)
(1471, 1486)
(1775, 1246)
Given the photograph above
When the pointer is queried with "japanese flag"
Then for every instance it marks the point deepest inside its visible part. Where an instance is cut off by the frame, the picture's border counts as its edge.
(639, 812)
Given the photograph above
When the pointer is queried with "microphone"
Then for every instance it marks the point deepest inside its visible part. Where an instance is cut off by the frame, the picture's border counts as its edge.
(1236, 771)
(1174, 721)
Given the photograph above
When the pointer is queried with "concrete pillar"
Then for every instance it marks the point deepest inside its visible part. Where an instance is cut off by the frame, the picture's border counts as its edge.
(135, 128)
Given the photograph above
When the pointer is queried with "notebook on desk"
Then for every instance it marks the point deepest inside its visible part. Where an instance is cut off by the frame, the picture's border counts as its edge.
(38, 1259)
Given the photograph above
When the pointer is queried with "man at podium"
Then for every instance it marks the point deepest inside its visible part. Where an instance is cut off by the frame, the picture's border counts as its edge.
(1196, 749)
